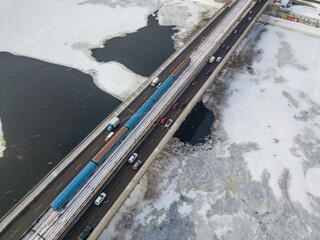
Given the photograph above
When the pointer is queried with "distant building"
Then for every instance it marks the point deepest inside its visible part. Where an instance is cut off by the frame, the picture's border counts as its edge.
(285, 3)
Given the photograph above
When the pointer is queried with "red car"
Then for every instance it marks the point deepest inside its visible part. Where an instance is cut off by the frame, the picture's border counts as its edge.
(227, 48)
(175, 105)
(163, 120)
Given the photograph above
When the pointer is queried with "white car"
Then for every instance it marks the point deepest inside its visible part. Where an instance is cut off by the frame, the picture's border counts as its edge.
(132, 158)
(219, 59)
(99, 199)
(168, 123)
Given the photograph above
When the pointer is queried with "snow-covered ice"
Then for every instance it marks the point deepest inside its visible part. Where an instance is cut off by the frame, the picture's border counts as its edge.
(257, 175)
(288, 74)
(64, 31)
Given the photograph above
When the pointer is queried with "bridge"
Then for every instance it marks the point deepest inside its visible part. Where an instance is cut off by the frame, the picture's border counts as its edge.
(34, 219)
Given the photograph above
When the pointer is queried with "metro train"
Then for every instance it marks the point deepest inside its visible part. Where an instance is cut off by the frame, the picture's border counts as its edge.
(68, 192)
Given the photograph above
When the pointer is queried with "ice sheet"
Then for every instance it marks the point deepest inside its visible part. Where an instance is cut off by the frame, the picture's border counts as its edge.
(63, 32)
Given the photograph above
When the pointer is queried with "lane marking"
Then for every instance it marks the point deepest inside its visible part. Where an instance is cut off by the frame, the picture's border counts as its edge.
(94, 149)
(78, 166)
(38, 207)
(14, 232)
(59, 186)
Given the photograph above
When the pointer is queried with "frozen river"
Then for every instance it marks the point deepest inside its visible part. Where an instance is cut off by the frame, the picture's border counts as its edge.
(257, 174)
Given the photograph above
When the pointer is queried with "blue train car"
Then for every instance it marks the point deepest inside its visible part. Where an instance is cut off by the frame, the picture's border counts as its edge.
(135, 119)
(162, 89)
(182, 66)
(69, 191)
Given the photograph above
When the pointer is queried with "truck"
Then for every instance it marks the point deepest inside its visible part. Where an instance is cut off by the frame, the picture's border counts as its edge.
(113, 123)
(211, 59)
(155, 82)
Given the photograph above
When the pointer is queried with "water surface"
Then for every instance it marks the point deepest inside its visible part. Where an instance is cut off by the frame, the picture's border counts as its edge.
(46, 110)
(143, 51)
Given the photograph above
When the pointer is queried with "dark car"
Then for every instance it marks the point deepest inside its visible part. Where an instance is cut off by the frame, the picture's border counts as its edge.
(85, 233)
(243, 20)
(208, 73)
(182, 105)
(223, 46)
(240, 31)
(137, 165)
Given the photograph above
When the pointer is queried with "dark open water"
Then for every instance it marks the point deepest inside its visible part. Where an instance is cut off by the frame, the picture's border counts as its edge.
(46, 110)
(143, 51)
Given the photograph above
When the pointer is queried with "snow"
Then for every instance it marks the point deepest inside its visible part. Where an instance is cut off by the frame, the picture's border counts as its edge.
(63, 32)
(274, 126)
(305, 11)
(312, 180)
(2, 141)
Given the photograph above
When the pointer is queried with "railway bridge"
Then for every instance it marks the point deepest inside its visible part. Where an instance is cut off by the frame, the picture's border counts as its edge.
(33, 218)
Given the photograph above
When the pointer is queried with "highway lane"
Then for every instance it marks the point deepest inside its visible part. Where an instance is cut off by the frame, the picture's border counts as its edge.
(95, 213)
(40, 204)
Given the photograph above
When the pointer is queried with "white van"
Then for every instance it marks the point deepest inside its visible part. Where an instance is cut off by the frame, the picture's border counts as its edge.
(211, 59)
(155, 82)
(99, 199)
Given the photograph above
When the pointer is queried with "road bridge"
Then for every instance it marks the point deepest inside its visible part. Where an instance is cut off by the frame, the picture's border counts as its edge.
(126, 174)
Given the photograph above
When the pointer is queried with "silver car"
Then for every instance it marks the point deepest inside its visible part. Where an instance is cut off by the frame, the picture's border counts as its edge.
(132, 158)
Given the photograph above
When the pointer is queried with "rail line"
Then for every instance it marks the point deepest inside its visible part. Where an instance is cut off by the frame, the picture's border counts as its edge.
(53, 224)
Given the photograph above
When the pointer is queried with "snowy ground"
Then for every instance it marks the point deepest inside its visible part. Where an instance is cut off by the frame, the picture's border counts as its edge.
(257, 175)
